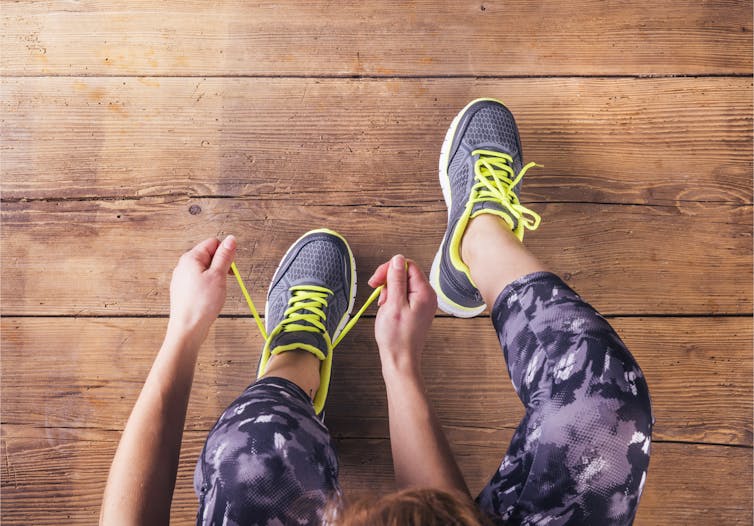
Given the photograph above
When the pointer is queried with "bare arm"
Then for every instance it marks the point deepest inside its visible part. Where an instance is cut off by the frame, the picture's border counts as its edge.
(421, 454)
(142, 477)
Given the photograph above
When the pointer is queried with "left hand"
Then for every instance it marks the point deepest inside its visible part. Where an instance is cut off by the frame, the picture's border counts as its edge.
(198, 287)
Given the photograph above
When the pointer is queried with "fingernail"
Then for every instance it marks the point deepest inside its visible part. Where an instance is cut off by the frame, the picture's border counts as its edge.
(230, 242)
(398, 262)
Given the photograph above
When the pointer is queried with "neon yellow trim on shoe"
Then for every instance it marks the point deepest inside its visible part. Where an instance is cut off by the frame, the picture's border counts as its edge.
(494, 182)
(306, 304)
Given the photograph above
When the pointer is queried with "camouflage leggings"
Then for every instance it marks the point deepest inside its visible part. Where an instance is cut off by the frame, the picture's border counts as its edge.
(579, 456)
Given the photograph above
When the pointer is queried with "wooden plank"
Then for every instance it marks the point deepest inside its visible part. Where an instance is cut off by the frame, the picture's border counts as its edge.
(87, 373)
(687, 259)
(642, 141)
(56, 476)
(586, 37)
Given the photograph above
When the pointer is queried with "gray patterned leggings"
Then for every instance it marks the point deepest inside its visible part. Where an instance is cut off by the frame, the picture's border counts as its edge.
(579, 456)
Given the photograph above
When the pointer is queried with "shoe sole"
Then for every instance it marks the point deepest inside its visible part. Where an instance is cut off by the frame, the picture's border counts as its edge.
(443, 302)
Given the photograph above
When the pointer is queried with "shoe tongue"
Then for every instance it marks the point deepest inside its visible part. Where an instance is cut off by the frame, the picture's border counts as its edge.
(299, 337)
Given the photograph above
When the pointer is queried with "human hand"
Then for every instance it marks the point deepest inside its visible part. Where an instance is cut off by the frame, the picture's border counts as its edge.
(407, 308)
(198, 288)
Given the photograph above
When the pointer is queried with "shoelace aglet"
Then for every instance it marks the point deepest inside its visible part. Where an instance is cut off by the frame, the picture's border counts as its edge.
(252, 308)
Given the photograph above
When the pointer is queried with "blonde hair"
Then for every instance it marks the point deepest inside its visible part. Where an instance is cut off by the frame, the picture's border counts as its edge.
(425, 507)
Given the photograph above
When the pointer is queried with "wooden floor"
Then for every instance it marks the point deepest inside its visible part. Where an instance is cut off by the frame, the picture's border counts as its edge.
(131, 131)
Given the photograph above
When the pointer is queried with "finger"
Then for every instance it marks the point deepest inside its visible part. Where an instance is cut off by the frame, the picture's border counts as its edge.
(416, 279)
(224, 255)
(382, 298)
(202, 252)
(380, 275)
(396, 280)
(416, 276)
(418, 284)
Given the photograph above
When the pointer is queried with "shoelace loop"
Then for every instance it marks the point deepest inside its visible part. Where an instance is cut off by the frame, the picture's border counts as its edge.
(305, 305)
(495, 181)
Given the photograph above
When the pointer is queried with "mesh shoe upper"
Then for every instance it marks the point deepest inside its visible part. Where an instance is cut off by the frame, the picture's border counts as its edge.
(486, 125)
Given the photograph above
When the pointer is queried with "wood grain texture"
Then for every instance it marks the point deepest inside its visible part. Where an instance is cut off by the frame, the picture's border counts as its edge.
(130, 131)
(638, 141)
(585, 37)
(115, 257)
(56, 476)
(87, 373)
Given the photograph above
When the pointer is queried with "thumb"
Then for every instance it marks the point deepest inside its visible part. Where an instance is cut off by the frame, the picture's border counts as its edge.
(224, 255)
(396, 280)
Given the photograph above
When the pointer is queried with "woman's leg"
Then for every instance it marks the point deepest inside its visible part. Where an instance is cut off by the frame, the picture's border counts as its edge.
(269, 459)
(581, 452)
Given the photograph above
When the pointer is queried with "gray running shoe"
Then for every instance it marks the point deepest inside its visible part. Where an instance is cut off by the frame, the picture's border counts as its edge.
(481, 168)
(310, 301)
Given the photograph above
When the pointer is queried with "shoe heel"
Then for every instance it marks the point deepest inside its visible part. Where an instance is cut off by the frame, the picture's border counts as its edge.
(444, 304)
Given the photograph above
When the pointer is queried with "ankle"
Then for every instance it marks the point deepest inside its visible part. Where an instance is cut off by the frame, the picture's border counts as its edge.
(298, 366)
(495, 256)
(480, 232)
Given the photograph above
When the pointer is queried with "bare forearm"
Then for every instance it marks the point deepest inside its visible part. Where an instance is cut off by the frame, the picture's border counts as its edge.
(142, 477)
(421, 454)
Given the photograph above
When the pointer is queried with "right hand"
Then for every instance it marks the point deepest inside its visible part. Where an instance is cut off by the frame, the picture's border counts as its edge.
(407, 308)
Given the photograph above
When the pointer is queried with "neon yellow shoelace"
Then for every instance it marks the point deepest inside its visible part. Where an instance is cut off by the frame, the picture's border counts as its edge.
(305, 305)
(495, 181)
